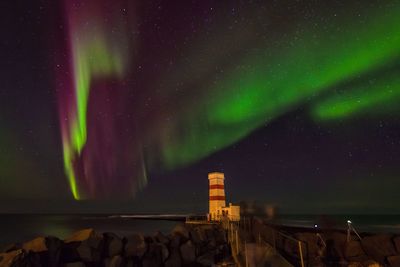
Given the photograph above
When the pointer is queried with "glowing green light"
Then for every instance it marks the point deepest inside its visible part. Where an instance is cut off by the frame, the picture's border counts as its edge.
(281, 75)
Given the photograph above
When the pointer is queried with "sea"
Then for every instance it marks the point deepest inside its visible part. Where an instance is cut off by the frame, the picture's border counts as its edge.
(16, 228)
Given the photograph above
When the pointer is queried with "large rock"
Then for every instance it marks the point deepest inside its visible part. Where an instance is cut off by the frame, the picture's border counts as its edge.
(116, 261)
(207, 259)
(197, 235)
(209, 232)
(355, 264)
(88, 236)
(354, 252)
(75, 264)
(36, 245)
(188, 252)
(47, 248)
(154, 255)
(335, 245)
(378, 247)
(113, 245)
(396, 241)
(182, 230)
(220, 235)
(135, 246)
(175, 241)
(394, 261)
(85, 245)
(371, 263)
(10, 247)
(174, 258)
(7, 259)
(19, 258)
(164, 252)
(161, 238)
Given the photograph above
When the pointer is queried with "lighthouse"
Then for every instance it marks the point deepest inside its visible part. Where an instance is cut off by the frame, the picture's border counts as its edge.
(217, 202)
(216, 193)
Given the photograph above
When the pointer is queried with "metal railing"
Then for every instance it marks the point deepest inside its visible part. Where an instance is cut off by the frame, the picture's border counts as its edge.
(283, 243)
(242, 233)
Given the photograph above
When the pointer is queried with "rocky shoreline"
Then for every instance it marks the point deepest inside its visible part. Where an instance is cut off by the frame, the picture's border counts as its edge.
(186, 245)
(332, 247)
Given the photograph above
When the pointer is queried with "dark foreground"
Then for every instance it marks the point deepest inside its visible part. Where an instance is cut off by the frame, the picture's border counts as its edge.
(186, 245)
(329, 246)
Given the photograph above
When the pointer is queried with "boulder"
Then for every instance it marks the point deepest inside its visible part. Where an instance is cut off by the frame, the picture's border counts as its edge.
(154, 255)
(92, 255)
(394, 261)
(47, 248)
(182, 230)
(116, 261)
(371, 263)
(85, 245)
(354, 252)
(335, 244)
(188, 252)
(88, 236)
(135, 246)
(35, 245)
(220, 235)
(174, 258)
(396, 241)
(197, 235)
(7, 259)
(160, 238)
(75, 264)
(164, 252)
(113, 245)
(207, 259)
(69, 253)
(19, 258)
(212, 244)
(175, 241)
(209, 232)
(9, 248)
(378, 247)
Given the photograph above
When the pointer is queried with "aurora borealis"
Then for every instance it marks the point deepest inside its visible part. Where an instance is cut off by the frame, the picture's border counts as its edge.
(97, 52)
(143, 95)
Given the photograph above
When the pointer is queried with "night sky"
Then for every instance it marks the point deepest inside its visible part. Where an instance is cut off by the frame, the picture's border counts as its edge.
(125, 106)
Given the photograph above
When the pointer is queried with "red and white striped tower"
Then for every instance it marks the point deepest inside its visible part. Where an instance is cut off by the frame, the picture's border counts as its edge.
(217, 192)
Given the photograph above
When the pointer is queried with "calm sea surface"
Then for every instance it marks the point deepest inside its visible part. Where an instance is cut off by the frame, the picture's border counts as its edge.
(20, 228)
(362, 223)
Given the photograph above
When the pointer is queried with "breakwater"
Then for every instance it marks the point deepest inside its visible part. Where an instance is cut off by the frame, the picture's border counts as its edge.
(329, 247)
(187, 245)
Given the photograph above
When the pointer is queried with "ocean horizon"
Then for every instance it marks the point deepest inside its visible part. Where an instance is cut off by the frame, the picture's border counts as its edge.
(18, 228)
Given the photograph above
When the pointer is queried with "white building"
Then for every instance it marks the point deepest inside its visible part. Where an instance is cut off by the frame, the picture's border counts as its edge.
(217, 205)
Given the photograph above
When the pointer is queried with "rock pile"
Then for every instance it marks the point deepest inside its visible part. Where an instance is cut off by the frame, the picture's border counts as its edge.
(331, 247)
(186, 245)
(373, 250)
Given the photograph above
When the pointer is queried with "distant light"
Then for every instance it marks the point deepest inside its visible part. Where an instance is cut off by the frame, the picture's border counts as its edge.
(315, 225)
(348, 221)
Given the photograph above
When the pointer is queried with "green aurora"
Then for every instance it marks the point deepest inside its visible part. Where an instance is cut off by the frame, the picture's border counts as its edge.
(323, 64)
(97, 54)
(302, 68)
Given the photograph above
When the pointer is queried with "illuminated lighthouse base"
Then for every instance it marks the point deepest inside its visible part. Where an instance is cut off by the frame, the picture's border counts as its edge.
(217, 205)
